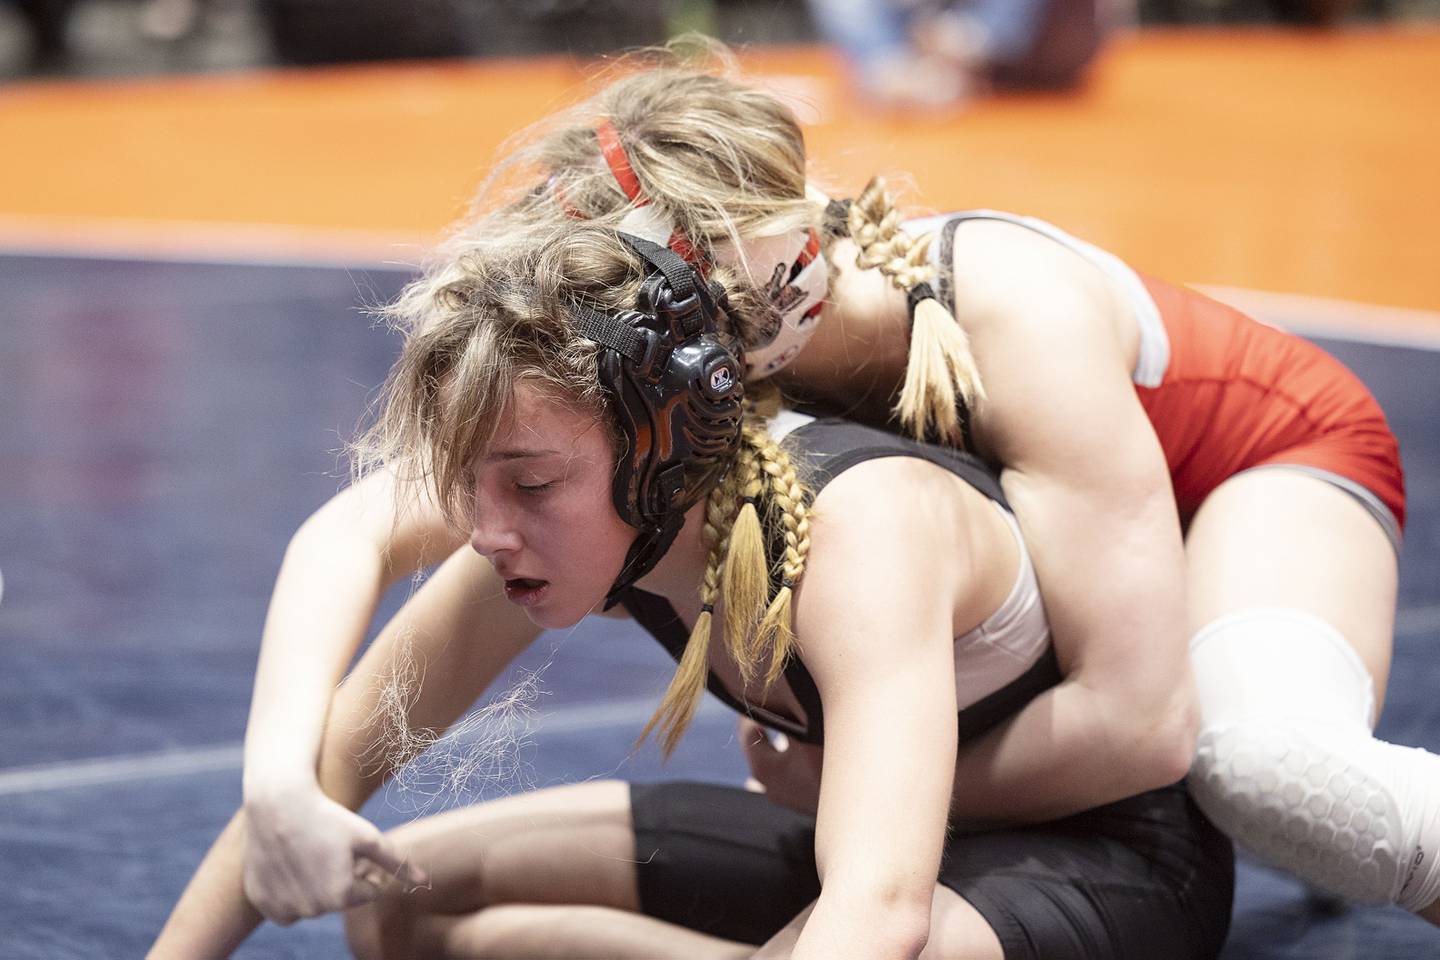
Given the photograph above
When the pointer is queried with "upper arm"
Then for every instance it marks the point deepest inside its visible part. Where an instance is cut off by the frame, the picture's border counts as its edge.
(1084, 470)
(874, 616)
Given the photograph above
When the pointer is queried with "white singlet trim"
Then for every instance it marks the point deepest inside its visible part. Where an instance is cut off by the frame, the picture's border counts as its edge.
(1153, 357)
(1010, 641)
(786, 422)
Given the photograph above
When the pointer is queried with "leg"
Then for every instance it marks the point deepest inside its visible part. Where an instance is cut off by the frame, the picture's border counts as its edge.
(1146, 877)
(1278, 538)
(1292, 602)
(526, 931)
(957, 932)
(567, 854)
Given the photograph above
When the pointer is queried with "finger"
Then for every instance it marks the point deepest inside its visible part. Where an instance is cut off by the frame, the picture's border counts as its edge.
(283, 918)
(753, 785)
(365, 889)
(383, 853)
(272, 908)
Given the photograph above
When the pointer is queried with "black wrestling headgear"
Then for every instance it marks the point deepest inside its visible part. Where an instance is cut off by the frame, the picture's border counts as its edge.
(675, 384)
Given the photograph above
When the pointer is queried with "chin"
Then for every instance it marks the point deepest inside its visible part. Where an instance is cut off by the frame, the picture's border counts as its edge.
(556, 618)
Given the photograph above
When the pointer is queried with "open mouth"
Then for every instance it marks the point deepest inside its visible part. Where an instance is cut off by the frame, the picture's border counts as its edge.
(524, 590)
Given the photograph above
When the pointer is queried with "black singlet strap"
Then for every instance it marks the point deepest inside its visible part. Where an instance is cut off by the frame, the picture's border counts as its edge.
(985, 713)
(656, 615)
(811, 444)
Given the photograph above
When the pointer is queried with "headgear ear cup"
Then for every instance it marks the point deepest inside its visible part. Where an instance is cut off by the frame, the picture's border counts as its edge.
(676, 388)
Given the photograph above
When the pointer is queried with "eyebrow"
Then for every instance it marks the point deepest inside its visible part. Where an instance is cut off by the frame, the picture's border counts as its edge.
(519, 453)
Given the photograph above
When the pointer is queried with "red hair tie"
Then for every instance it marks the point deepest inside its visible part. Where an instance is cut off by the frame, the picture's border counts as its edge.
(619, 163)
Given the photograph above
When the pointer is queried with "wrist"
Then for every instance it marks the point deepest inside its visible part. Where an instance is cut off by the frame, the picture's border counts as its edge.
(277, 785)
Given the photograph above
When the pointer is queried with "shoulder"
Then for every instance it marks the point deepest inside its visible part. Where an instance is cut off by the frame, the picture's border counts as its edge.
(893, 524)
(893, 489)
(1005, 271)
(1045, 322)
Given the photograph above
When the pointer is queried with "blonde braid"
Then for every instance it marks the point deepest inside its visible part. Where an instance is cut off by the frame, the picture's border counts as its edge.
(941, 366)
(738, 574)
(682, 698)
(746, 585)
(790, 499)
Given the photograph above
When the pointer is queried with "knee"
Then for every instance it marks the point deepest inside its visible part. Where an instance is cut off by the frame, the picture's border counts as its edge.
(1345, 811)
(363, 932)
(1248, 767)
(1238, 766)
(383, 930)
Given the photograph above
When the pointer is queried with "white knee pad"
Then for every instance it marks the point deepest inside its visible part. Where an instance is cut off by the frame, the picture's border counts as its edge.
(1286, 763)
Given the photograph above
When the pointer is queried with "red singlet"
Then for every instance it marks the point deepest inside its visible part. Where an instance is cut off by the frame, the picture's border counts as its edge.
(1238, 394)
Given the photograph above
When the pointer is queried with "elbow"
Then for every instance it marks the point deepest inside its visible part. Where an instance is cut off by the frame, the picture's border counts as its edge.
(904, 922)
(890, 920)
(1174, 750)
(1168, 744)
(1152, 740)
(905, 933)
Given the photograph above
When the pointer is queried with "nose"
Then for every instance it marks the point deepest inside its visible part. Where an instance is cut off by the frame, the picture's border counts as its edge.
(491, 532)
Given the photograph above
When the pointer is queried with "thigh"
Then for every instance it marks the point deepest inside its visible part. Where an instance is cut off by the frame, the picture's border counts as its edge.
(721, 860)
(1275, 537)
(729, 863)
(1146, 877)
(570, 845)
(527, 931)
(958, 931)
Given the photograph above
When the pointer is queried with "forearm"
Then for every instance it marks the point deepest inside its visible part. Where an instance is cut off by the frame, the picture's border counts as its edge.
(324, 598)
(452, 640)
(1071, 749)
(213, 916)
(1110, 566)
(335, 570)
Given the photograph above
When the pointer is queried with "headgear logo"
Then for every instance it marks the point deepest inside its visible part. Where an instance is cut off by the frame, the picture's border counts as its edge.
(721, 380)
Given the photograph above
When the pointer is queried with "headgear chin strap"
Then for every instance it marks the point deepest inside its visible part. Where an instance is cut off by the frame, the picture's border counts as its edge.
(789, 267)
(676, 388)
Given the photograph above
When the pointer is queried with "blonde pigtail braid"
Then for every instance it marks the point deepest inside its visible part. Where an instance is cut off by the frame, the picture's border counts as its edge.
(737, 573)
(745, 584)
(789, 499)
(941, 365)
(682, 698)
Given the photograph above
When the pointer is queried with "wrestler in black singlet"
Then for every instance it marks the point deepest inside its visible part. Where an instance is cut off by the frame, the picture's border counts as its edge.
(1142, 879)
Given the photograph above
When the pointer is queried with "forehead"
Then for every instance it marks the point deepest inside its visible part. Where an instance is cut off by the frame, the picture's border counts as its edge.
(540, 423)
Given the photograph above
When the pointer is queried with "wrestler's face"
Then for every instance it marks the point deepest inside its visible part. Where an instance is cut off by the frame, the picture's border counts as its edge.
(540, 509)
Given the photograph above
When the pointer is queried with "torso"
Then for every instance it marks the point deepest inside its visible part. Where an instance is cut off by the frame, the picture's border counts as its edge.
(1223, 391)
(993, 677)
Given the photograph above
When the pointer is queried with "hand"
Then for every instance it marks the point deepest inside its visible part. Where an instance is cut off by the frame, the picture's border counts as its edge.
(786, 772)
(306, 855)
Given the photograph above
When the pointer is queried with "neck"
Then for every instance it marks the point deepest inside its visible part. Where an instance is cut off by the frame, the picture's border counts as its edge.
(677, 576)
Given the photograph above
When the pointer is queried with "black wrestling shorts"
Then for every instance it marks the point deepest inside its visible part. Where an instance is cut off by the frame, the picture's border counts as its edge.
(1148, 878)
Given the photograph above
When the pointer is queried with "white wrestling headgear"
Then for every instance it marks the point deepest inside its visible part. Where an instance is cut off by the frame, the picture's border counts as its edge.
(789, 266)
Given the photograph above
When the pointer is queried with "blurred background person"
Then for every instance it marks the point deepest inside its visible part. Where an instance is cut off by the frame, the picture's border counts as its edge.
(933, 53)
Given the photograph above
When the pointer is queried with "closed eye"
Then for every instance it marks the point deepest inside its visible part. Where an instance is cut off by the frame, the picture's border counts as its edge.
(533, 488)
